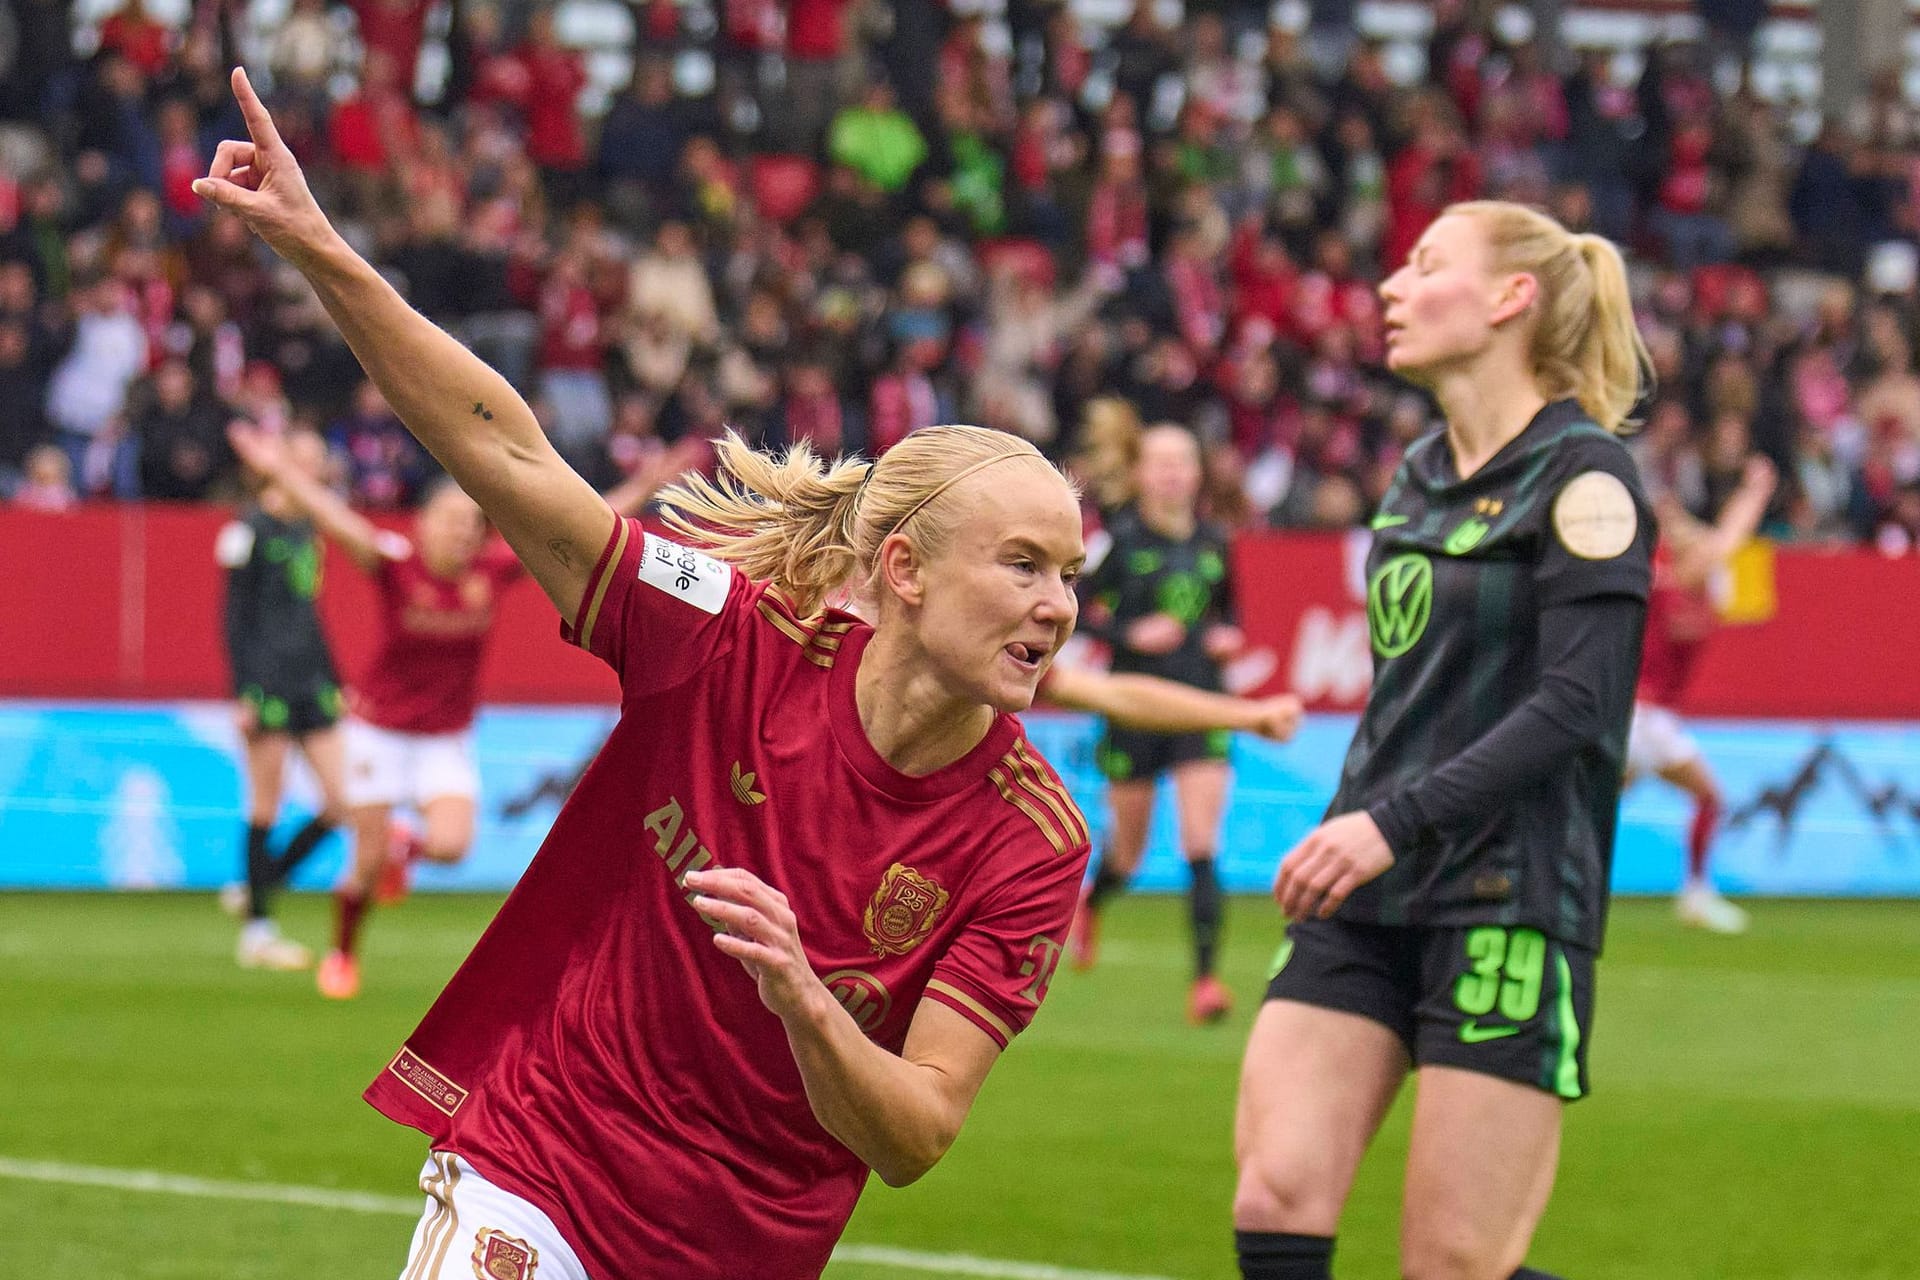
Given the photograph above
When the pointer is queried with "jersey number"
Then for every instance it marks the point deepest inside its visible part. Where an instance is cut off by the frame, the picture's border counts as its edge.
(1506, 968)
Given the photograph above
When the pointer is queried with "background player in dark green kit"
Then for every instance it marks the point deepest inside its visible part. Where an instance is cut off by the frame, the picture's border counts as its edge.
(288, 694)
(1160, 597)
(1447, 913)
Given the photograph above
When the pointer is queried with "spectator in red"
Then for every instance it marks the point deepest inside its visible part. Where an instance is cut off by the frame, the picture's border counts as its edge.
(1264, 280)
(811, 411)
(374, 127)
(904, 397)
(1694, 234)
(555, 75)
(1117, 212)
(816, 39)
(139, 38)
(572, 361)
(181, 161)
(1434, 170)
(1199, 306)
(394, 29)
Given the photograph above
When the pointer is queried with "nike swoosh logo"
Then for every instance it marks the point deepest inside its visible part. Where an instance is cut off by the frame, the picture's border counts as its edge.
(1388, 522)
(1471, 1032)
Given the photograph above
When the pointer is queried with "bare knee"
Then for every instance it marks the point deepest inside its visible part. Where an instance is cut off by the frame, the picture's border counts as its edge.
(1281, 1195)
(1454, 1251)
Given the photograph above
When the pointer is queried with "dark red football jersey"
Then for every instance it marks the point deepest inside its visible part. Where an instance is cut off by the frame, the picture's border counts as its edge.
(600, 1057)
(1679, 621)
(425, 674)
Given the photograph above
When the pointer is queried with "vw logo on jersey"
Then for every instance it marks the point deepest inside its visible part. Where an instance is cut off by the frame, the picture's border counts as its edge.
(1399, 602)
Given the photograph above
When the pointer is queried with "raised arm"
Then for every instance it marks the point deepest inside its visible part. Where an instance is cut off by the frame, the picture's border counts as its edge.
(352, 532)
(1698, 557)
(1167, 706)
(466, 415)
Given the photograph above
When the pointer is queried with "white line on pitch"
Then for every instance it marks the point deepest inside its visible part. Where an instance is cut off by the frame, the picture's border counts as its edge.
(154, 1182)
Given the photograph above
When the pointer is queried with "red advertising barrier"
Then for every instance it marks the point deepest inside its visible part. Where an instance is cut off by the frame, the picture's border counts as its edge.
(124, 602)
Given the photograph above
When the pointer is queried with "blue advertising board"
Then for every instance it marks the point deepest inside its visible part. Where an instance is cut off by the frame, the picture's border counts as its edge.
(148, 796)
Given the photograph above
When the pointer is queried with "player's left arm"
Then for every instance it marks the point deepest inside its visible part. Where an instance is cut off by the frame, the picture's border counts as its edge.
(898, 1113)
(1167, 706)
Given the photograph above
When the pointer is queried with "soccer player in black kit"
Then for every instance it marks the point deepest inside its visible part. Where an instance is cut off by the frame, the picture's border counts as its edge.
(287, 694)
(1161, 599)
(1447, 913)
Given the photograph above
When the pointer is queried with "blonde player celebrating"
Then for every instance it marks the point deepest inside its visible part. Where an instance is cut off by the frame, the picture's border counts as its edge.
(409, 736)
(817, 878)
(1681, 616)
(1447, 914)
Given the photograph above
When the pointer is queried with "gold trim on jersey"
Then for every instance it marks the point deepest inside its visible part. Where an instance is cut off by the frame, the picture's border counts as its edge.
(585, 633)
(1023, 780)
(954, 993)
(1062, 803)
(818, 639)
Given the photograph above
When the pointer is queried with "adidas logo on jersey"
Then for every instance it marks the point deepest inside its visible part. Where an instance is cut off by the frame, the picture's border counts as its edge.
(743, 788)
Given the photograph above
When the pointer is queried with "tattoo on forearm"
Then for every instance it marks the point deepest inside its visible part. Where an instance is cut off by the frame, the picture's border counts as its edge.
(482, 412)
(562, 551)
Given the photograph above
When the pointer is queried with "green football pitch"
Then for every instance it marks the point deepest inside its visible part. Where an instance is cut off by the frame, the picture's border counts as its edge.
(1756, 1115)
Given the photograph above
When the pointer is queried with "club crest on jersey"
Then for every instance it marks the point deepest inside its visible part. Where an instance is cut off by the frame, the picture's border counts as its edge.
(903, 911)
(499, 1256)
(1399, 602)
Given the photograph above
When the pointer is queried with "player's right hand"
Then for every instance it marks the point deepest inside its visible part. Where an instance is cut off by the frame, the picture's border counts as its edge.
(1277, 718)
(261, 182)
(1758, 474)
(246, 717)
(1155, 634)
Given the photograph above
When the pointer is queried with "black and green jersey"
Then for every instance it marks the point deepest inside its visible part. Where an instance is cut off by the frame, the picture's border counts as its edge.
(1505, 613)
(1146, 572)
(274, 641)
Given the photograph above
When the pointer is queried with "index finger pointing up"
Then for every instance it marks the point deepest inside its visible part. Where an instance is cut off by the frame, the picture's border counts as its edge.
(259, 123)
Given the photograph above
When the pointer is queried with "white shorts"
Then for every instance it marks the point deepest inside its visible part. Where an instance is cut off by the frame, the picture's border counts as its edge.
(1657, 741)
(385, 767)
(473, 1228)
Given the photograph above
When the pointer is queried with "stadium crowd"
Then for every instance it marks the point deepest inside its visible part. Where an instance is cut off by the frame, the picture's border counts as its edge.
(875, 218)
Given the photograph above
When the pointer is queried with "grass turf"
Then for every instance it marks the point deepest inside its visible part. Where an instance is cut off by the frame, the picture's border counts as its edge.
(1756, 1114)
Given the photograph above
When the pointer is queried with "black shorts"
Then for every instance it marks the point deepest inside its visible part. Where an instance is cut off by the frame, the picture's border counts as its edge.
(298, 713)
(1128, 755)
(1503, 1001)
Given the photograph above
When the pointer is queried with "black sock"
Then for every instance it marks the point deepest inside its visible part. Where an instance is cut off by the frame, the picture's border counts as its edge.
(1207, 910)
(1528, 1273)
(1106, 883)
(304, 842)
(1278, 1255)
(259, 870)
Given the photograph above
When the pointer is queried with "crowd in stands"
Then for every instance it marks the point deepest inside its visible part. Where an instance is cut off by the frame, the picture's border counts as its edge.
(880, 216)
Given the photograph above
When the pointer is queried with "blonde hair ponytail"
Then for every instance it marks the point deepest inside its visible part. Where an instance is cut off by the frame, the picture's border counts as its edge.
(1585, 343)
(809, 525)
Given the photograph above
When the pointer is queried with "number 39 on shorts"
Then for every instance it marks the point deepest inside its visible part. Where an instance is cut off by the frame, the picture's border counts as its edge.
(1505, 968)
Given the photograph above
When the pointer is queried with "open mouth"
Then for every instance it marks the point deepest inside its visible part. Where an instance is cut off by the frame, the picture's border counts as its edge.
(1029, 657)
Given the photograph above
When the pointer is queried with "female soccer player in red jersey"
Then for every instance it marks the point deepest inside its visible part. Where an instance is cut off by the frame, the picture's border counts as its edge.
(409, 735)
(1680, 618)
(816, 880)
(1446, 916)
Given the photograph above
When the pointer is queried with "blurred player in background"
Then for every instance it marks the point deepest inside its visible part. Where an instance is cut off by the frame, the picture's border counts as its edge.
(1447, 914)
(288, 695)
(1681, 615)
(1160, 597)
(643, 1068)
(409, 735)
